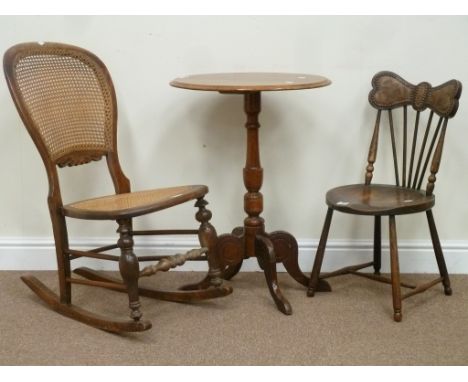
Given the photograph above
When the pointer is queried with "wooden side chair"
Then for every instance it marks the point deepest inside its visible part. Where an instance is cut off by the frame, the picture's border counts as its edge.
(391, 94)
(66, 99)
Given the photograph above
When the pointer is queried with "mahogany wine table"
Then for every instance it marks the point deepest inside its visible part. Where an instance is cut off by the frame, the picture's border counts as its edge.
(251, 240)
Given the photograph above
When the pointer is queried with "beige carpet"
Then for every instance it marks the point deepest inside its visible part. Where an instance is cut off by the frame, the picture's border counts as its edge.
(350, 326)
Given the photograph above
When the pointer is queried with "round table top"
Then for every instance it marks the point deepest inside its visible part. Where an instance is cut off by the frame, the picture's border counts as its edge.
(250, 82)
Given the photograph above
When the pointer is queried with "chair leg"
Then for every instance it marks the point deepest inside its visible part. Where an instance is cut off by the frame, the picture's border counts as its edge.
(129, 267)
(208, 238)
(314, 277)
(395, 270)
(438, 253)
(63, 261)
(377, 245)
(62, 303)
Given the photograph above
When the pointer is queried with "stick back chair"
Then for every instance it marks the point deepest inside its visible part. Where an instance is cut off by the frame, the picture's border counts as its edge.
(66, 99)
(391, 95)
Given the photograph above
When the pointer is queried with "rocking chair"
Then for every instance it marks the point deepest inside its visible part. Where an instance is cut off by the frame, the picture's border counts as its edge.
(66, 99)
(390, 94)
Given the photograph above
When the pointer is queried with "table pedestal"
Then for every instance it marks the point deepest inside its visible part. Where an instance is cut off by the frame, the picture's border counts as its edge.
(251, 240)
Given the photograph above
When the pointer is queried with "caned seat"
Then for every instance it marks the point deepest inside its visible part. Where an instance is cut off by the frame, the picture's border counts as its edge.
(66, 99)
(133, 204)
(416, 156)
(378, 199)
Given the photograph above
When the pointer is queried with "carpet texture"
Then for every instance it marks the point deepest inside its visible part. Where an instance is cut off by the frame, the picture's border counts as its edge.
(351, 326)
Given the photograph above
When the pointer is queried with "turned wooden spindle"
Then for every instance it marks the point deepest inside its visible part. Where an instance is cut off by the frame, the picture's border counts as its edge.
(253, 174)
(373, 150)
(173, 261)
(429, 153)
(436, 160)
(129, 267)
(208, 238)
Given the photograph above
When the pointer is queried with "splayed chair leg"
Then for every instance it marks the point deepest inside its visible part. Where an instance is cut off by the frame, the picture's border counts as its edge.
(395, 270)
(377, 245)
(438, 253)
(314, 277)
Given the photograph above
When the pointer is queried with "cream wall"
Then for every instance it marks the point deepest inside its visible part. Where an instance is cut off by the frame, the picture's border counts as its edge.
(311, 140)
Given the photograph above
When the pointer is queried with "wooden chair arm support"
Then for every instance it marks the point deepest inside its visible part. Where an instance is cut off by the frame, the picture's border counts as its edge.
(173, 261)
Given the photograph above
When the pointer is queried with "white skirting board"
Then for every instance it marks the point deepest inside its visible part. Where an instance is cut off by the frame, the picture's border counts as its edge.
(415, 256)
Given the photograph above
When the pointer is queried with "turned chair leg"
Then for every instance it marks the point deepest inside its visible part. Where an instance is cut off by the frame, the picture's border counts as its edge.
(129, 267)
(438, 253)
(395, 270)
(314, 277)
(208, 238)
(377, 245)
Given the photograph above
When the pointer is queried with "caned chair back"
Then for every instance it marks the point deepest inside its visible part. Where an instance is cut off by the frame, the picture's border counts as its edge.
(66, 99)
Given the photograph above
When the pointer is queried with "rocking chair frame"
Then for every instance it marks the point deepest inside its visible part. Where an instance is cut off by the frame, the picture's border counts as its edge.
(15, 64)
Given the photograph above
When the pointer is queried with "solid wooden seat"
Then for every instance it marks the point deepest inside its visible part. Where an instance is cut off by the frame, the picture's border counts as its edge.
(419, 159)
(66, 99)
(378, 199)
(133, 204)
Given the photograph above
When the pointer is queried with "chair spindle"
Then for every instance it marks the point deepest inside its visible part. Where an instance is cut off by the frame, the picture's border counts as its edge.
(428, 157)
(405, 133)
(373, 150)
(423, 148)
(436, 160)
(395, 157)
(413, 148)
